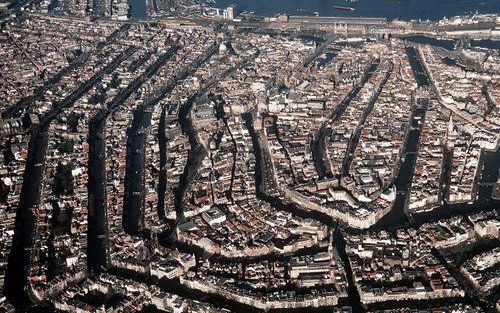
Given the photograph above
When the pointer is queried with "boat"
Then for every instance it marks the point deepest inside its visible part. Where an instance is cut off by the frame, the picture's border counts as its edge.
(338, 7)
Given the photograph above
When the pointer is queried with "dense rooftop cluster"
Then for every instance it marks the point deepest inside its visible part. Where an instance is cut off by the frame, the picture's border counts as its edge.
(399, 267)
(319, 276)
(190, 168)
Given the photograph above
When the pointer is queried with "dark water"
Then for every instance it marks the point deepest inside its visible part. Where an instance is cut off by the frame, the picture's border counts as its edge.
(443, 43)
(486, 43)
(391, 9)
(138, 9)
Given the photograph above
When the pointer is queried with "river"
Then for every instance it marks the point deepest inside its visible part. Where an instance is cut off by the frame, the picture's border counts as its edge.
(390, 9)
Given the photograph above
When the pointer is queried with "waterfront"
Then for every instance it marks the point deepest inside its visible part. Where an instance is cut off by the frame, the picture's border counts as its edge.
(402, 10)
(406, 10)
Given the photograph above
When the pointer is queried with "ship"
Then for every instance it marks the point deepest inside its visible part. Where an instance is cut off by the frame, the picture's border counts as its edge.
(338, 7)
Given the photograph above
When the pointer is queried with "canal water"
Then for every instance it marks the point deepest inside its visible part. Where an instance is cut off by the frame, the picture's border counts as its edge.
(318, 144)
(442, 43)
(134, 194)
(398, 215)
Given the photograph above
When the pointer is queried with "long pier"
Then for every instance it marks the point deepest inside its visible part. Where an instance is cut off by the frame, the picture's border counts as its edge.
(338, 20)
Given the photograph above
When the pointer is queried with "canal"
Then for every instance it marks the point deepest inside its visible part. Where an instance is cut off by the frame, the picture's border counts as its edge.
(354, 140)
(162, 175)
(436, 42)
(318, 145)
(19, 260)
(195, 155)
(134, 194)
(488, 173)
(398, 216)
(97, 232)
